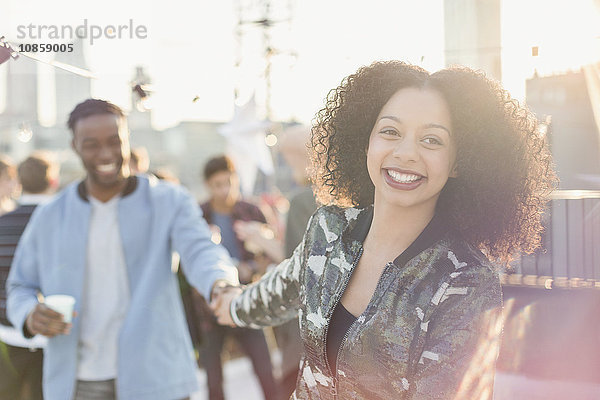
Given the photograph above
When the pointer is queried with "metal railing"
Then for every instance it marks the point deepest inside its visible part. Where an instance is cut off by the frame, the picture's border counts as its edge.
(570, 252)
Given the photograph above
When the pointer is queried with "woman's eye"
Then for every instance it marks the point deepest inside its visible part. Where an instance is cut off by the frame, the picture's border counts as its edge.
(432, 140)
(389, 131)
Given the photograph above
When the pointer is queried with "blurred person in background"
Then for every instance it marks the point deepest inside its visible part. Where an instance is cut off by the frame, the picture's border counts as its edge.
(9, 185)
(20, 357)
(139, 163)
(293, 145)
(165, 174)
(223, 209)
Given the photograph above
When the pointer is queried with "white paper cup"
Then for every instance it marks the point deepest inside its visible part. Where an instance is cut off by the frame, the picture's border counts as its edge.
(61, 303)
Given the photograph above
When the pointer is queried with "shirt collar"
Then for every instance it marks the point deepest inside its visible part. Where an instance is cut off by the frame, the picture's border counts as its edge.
(433, 232)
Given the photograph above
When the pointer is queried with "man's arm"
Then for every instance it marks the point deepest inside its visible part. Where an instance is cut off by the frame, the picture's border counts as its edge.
(24, 310)
(206, 264)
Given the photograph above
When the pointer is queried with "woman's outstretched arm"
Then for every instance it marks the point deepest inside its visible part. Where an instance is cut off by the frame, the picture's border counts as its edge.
(272, 300)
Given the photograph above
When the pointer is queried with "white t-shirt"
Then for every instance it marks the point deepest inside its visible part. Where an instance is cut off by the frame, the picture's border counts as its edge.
(105, 296)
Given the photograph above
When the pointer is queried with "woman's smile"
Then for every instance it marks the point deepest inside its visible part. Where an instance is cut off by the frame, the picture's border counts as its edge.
(403, 180)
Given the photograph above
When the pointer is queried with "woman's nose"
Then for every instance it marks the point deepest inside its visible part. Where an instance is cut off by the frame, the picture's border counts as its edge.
(406, 150)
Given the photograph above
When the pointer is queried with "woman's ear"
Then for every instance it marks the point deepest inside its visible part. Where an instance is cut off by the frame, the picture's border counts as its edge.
(453, 172)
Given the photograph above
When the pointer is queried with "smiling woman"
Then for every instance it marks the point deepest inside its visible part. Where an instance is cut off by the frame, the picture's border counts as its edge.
(428, 179)
(503, 167)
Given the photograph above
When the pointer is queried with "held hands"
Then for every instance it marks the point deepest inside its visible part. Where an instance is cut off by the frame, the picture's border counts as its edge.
(45, 321)
(221, 302)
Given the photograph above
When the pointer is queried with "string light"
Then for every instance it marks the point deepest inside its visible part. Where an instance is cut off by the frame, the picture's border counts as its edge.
(25, 133)
(271, 140)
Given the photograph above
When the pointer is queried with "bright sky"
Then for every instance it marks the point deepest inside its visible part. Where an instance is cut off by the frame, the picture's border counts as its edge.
(191, 48)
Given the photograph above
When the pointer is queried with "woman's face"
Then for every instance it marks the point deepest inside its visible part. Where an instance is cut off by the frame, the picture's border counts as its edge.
(411, 150)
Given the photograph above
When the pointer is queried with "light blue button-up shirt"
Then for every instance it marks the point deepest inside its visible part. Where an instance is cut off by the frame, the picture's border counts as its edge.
(155, 358)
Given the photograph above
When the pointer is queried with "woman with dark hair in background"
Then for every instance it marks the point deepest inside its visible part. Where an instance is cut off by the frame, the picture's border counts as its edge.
(427, 179)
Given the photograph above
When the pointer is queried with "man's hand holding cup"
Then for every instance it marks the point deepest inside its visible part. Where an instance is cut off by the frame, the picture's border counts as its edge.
(53, 317)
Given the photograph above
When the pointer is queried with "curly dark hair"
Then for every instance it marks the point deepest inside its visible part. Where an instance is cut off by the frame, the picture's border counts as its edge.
(505, 170)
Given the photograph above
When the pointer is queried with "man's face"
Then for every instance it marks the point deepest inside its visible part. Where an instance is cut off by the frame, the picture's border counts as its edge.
(102, 143)
(223, 186)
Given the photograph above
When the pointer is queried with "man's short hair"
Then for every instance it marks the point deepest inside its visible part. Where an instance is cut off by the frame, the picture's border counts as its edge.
(36, 173)
(92, 107)
(218, 164)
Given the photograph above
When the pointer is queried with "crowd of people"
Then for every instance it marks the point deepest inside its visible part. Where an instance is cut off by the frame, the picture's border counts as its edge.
(412, 190)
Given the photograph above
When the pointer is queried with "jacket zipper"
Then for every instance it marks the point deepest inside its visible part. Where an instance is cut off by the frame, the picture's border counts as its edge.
(337, 300)
(337, 357)
(334, 385)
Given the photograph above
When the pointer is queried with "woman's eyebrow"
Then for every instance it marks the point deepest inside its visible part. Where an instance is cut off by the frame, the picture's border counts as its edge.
(392, 118)
(426, 126)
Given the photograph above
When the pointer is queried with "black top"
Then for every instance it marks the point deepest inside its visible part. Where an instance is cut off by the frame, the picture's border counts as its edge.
(342, 319)
(12, 226)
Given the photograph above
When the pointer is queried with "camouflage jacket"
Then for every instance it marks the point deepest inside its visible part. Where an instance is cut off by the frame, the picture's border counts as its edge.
(430, 331)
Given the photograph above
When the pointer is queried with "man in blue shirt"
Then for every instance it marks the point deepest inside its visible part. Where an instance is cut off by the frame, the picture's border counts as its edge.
(108, 241)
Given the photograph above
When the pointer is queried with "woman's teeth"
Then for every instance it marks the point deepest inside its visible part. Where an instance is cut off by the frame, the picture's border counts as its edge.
(402, 178)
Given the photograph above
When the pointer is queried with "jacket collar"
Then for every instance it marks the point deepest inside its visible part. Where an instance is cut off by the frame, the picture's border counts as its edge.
(435, 230)
(130, 187)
